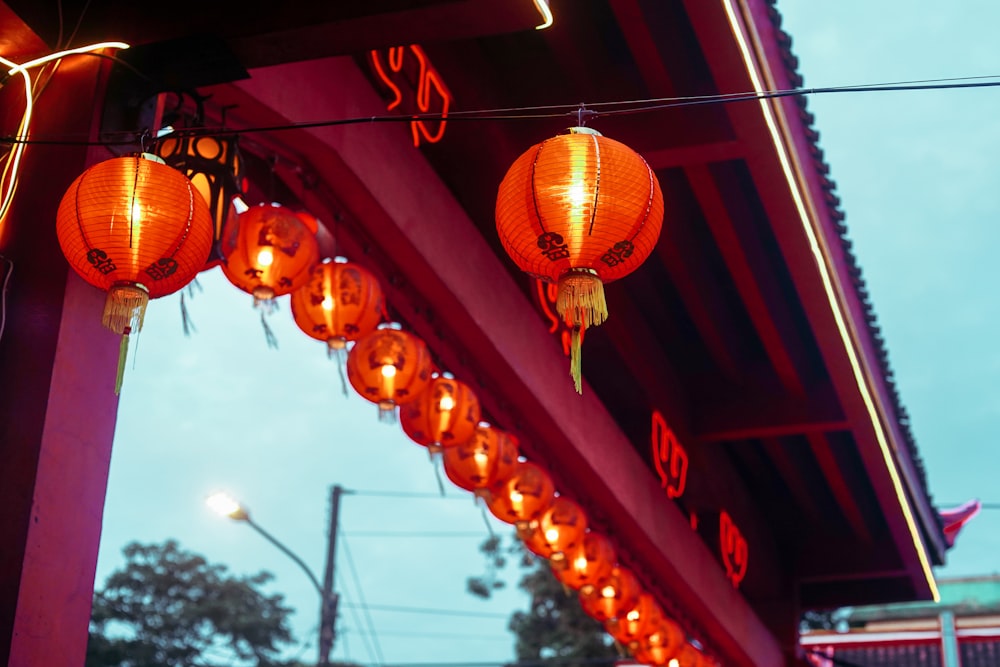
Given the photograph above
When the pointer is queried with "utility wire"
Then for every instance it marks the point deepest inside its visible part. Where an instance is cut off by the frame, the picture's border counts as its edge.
(622, 107)
(438, 635)
(415, 533)
(357, 619)
(407, 494)
(436, 612)
(364, 605)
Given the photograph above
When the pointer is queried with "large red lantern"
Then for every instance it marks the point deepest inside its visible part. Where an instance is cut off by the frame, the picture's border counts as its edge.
(586, 563)
(269, 251)
(486, 459)
(611, 596)
(559, 528)
(341, 302)
(137, 229)
(445, 414)
(523, 496)
(660, 645)
(389, 367)
(639, 621)
(579, 210)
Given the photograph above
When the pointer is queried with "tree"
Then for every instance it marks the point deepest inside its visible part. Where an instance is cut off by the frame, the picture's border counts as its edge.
(555, 627)
(168, 607)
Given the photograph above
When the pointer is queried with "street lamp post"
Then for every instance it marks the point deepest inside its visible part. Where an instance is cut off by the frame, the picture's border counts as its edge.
(227, 506)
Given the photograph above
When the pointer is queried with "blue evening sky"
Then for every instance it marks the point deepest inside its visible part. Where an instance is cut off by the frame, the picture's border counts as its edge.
(918, 178)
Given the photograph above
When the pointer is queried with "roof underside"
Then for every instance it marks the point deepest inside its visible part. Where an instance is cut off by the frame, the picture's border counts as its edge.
(725, 329)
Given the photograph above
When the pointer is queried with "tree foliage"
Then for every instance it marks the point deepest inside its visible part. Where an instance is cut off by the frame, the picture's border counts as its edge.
(168, 607)
(555, 627)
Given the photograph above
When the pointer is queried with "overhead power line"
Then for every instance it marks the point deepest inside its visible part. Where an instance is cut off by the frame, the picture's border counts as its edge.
(364, 605)
(433, 612)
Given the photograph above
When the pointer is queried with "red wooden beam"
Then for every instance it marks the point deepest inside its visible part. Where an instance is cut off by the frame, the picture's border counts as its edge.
(822, 449)
(385, 182)
(767, 416)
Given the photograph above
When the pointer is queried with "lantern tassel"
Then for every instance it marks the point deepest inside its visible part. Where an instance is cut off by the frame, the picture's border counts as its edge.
(272, 340)
(339, 355)
(125, 308)
(576, 359)
(436, 464)
(122, 358)
(581, 298)
(387, 412)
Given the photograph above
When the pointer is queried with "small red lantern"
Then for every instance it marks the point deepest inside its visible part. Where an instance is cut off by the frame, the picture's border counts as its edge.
(389, 367)
(486, 459)
(269, 251)
(639, 621)
(660, 645)
(523, 496)
(341, 302)
(445, 414)
(558, 528)
(579, 210)
(586, 563)
(611, 596)
(138, 230)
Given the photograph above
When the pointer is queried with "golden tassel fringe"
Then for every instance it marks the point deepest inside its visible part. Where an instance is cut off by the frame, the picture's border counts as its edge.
(576, 360)
(125, 308)
(581, 298)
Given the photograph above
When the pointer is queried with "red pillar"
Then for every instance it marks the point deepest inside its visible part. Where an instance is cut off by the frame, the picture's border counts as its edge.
(57, 405)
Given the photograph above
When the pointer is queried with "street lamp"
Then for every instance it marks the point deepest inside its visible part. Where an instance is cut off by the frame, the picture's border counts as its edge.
(226, 505)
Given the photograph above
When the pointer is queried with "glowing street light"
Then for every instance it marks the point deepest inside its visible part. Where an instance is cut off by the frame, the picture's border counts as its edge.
(225, 505)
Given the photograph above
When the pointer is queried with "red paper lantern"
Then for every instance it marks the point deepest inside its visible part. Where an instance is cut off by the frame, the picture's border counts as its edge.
(483, 461)
(389, 367)
(639, 621)
(579, 210)
(268, 251)
(559, 528)
(586, 563)
(138, 230)
(660, 645)
(341, 302)
(611, 596)
(445, 414)
(523, 496)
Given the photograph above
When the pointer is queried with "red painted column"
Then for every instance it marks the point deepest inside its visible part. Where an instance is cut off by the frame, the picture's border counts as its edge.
(57, 404)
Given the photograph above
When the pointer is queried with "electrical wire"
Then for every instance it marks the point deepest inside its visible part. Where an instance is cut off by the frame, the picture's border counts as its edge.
(364, 605)
(615, 108)
(433, 611)
(415, 533)
(407, 494)
(357, 619)
(439, 635)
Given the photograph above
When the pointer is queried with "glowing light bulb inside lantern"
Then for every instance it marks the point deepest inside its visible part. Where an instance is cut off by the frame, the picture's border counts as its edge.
(447, 403)
(482, 459)
(608, 591)
(632, 616)
(580, 564)
(389, 380)
(136, 212)
(674, 662)
(552, 534)
(265, 257)
(327, 304)
(516, 501)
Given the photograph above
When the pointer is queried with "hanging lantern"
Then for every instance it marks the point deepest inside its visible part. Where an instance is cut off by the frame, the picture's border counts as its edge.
(523, 496)
(215, 167)
(642, 619)
(660, 645)
(389, 367)
(579, 210)
(269, 251)
(611, 596)
(559, 528)
(138, 230)
(341, 302)
(483, 461)
(689, 656)
(586, 563)
(445, 414)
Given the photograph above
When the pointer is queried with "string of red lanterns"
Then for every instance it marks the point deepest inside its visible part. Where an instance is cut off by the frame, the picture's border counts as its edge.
(594, 213)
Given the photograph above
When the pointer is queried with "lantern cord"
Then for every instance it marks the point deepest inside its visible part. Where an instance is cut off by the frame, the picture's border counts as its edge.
(486, 520)
(436, 463)
(339, 355)
(269, 337)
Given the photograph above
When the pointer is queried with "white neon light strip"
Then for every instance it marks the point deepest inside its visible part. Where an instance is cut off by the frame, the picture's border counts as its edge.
(866, 638)
(543, 9)
(828, 287)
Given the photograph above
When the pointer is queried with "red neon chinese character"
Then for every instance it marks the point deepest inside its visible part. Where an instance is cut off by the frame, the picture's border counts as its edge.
(431, 90)
(669, 457)
(733, 546)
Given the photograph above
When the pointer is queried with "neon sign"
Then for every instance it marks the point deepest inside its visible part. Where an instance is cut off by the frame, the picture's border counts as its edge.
(734, 550)
(669, 457)
(426, 87)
